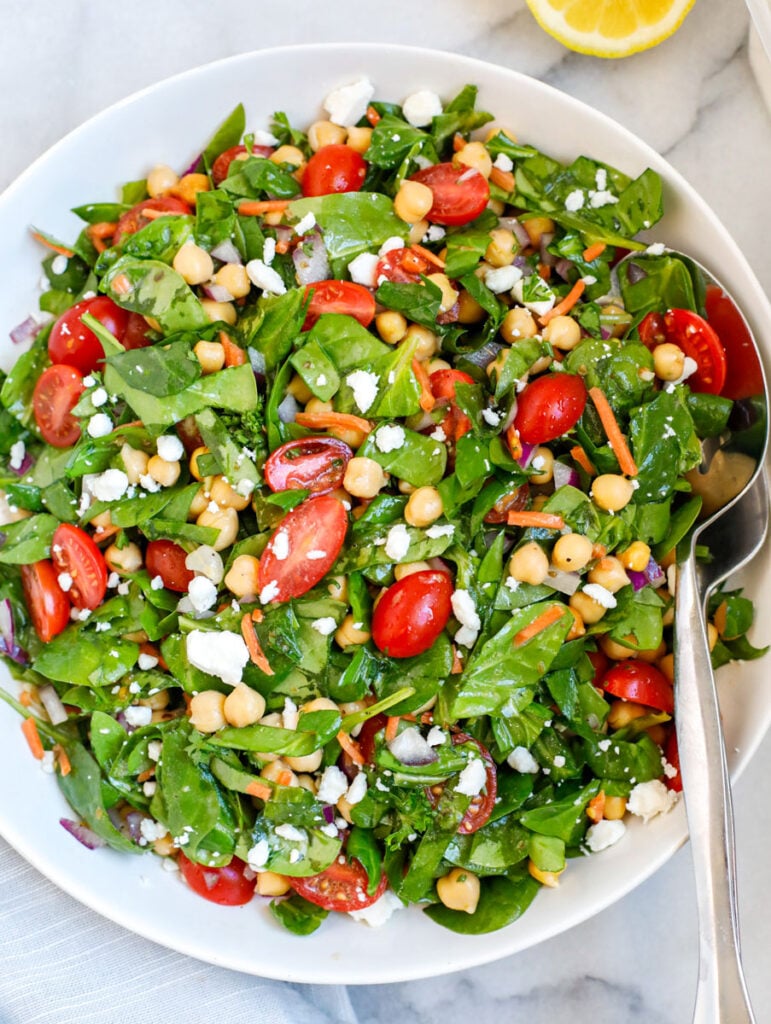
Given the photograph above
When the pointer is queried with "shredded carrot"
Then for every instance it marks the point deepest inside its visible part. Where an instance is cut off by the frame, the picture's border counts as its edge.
(121, 285)
(234, 354)
(427, 718)
(32, 736)
(546, 520)
(544, 272)
(258, 789)
(457, 664)
(567, 303)
(330, 420)
(146, 775)
(62, 759)
(513, 441)
(282, 247)
(458, 142)
(257, 615)
(579, 455)
(616, 439)
(52, 245)
(98, 232)
(351, 747)
(254, 209)
(503, 179)
(284, 778)
(25, 698)
(427, 400)
(596, 807)
(428, 255)
(599, 551)
(103, 533)
(154, 652)
(150, 214)
(392, 727)
(539, 624)
(593, 251)
(252, 642)
(372, 116)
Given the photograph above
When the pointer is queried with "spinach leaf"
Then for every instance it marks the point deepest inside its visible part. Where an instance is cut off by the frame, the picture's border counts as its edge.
(459, 116)
(100, 662)
(160, 239)
(160, 370)
(27, 540)
(663, 444)
(501, 902)
(419, 302)
(667, 284)
(492, 850)
(420, 460)
(346, 343)
(564, 817)
(364, 847)
(228, 134)
(215, 219)
(82, 788)
(297, 915)
(153, 289)
(393, 139)
(257, 177)
(623, 760)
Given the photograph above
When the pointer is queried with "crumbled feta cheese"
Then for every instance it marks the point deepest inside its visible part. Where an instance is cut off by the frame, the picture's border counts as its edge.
(503, 163)
(436, 736)
(294, 835)
(202, 593)
(589, 279)
(435, 233)
(397, 542)
(329, 830)
(321, 380)
(294, 856)
(268, 251)
(559, 761)
(648, 799)
(265, 277)
(59, 264)
(220, 653)
(511, 584)
(601, 179)
(656, 249)
(170, 448)
(17, 453)
(316, 555)
(600, 594)
(380, 911)
(465, 612)
(492, 417)
(604, 834)
(472, 779)
(438, 434)
(151, 830)
(357, 789)
(440, 530)
(290, 715)
(262, 137)
(306, 224)
(364, 385)
(156, 583)
(147, 483)
(110, 485)
(502, 279)
(326, 625)
(604, 745)
(348, 104)
(521, 760)
(138, 715)
(100, 425)
(574, 201)
(394, 242)
(421, 108)
(332, 786)
(257, 857)
(390, 437)
(147, 661)
(601, 198)
(280, 545)
(47, 763)
(269, 592)
(154, 748)
(65, 581)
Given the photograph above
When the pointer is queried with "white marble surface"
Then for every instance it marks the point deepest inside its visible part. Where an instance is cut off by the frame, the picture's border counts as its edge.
(695, 100)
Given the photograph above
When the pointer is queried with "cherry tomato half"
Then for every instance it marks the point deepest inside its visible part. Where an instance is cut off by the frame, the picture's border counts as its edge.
(221, 166)
(600, 663)
(339, 297)
(341, 887)
(166, 559)
(311, 537)
(75, 553)
(641, 683)
(133, 220)
(48, 605)
(481, 806)
(226, 885)
(698, 341)
(366, 738)
(335, 168)
(402, 266)
(315, 463)
(744, 376)
(549, 407)
(72, 343)
(443, 383)
(55, 396)
(460, 193)
(135, 335)
(412, 613)
(515, 501)
(672, 757)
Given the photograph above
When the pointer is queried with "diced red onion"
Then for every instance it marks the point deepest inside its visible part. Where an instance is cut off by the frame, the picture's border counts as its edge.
(310, 260)
(82, 833)
(226, 252)
(284, 233)
(565, 582)
(257, 361)
(133, 825)
(605, 334)
(8, 645)
(193, 166)
(565, 475)
(652, 574)
(518, 228)
(26, 331)
(329, 813)
(287, 411)
(411, 748)
(121, 719)
(547, 258)
(485, 354)
(26, 464)
(527, 454)
(563, 268)
(520, 262)
(635, 273)
(52, 703)
(218, 292)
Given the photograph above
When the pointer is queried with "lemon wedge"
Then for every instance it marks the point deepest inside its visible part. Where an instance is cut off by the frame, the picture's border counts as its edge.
(610, 28)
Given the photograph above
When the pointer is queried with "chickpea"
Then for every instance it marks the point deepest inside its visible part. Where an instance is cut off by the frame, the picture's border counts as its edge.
(529, 564)
(668, 361)
(349, 634)
(413, 201)
(359, 139)
(497, 206)
(551, 879)
(502, 248)
(307, 782)
(316, 405)
(337, 588)
(616, 651)
(563, 332)
(449, 295)
(406, 488)
(226, 521)
(164, 846)
(408, 568)
(242, 578)
(622, 712)
(227, 496)
(243, 706)
(437, 364)
(543, 463)
(475, 155)
(612, 492)
(537, 226)
(591, 611)
(427, 341)
(160, 179)
(469, 310)
(494, 131)
(123, 560)
(418, 232)
(102, 522)
(193, 263)
(571, 552)
(198, 504)
(157, 701)
(423, 507)
(609, 573)
(577, 629)
(235, 278)
(518, 323)
(207, 711)
(224, 311)
(667, 665)
(299, 390)
(636, 556)
(277, 770)
(211, 355)
(364, 477)
(344, 809)
(615, 319)
(319, 704)
(287, 155)
(307, 763)
(615, 808)
(391, 327)
(163, 472)
(324, 133)
(193, 464)
(9, 512)
(271, 884)
(459, 889)
(134, 462)
(188, 187)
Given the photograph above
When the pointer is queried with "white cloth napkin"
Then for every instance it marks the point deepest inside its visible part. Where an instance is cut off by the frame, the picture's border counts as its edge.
(60, 963)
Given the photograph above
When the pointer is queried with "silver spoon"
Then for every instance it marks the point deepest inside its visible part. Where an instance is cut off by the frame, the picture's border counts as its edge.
(732, 477)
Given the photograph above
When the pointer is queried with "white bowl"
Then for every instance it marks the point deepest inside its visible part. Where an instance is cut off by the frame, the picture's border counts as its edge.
(167, 123)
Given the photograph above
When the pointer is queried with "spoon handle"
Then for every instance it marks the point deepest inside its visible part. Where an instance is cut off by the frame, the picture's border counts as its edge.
(721, 993)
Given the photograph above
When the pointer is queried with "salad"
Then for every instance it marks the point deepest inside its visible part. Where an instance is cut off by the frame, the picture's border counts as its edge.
(341, 492)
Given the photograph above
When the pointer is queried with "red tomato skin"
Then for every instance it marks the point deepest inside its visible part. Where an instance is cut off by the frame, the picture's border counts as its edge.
(366, 738)
(74, 552)
(48, 605)
(641, 683)
(600, 663)
(74, 344)
(339, 297)
(412, 613)
(454, 202)
(335, 168)
(316, 463)
(341, 887)
(133, 220)
(672, 757)
(317, 524)
(229, 888)
(56, 394)
(135, 335)
(478, 814)
(444, 382)
(402, 266)
(699, 341)
(166, 559)
(744, 374)
(549, 407)
(652, 330)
